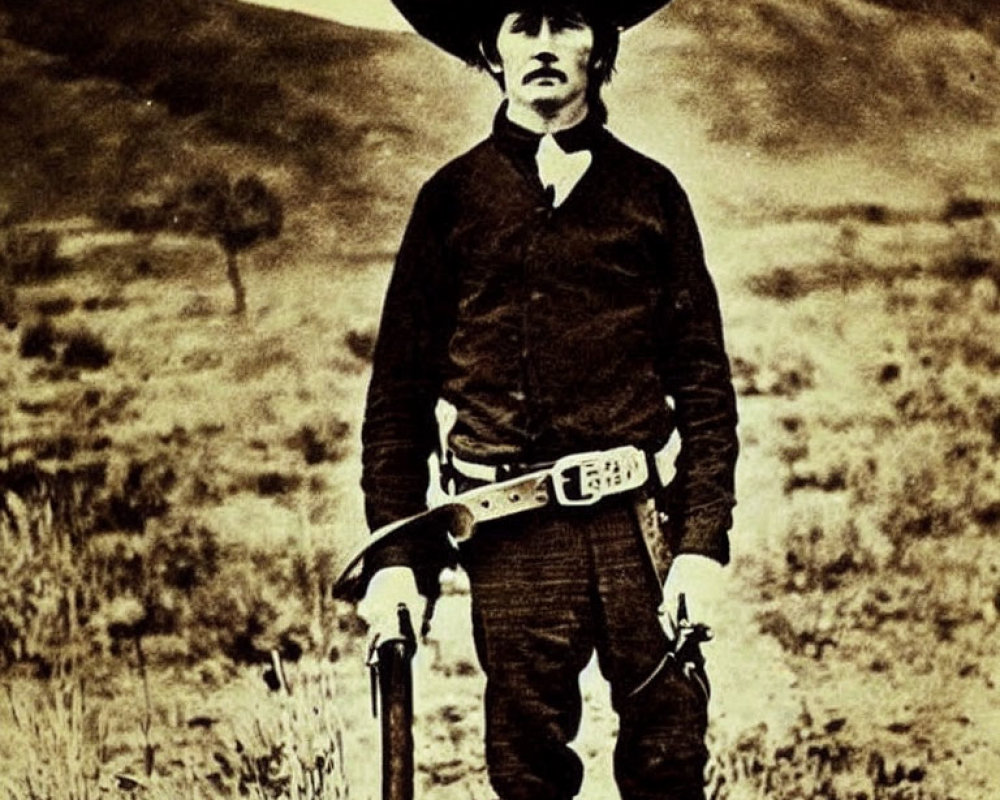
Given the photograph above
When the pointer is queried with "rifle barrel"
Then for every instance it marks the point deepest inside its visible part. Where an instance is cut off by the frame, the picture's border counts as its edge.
(396, 694)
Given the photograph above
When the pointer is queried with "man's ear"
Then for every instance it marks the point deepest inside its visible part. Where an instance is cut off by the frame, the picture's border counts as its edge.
(492, 65)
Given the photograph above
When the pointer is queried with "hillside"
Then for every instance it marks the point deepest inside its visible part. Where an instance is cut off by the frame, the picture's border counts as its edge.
(773, 104)
(842, 73)
(347, 122)
(93, 105)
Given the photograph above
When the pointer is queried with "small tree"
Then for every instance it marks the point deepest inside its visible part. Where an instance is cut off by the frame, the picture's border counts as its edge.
(237, 215)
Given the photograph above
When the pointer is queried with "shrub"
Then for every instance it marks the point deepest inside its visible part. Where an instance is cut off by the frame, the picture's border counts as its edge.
(831, 759)
(274, 483)
(104, 303)
(55, 306)
(320, 443)
(8, 304)
(31, 256)
(361, 344)
(38, 341)
(86, 350)
(93, 558)
(291, 744)
(45, 587)
(198, 306)
(185, 558)
(964, 208)
(62, 741)
(141, 493)
(779, 284)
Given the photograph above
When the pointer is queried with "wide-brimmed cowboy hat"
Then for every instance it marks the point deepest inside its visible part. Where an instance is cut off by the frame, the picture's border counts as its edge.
(457, 25)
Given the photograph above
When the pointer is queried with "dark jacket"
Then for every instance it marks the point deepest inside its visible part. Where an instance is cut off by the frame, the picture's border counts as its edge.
(552, 330)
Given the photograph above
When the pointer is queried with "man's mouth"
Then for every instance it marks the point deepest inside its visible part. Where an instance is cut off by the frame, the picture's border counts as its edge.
(544, 73)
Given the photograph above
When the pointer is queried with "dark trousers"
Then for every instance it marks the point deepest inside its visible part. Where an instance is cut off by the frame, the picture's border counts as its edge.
(548, 588)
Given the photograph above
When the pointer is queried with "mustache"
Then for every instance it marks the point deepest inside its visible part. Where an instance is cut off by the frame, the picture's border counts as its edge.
(544, 72)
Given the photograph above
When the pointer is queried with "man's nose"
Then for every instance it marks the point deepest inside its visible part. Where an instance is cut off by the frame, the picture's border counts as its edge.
(543, 39)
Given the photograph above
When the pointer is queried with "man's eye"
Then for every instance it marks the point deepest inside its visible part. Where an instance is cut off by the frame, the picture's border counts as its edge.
(525, 23)
(568, 23)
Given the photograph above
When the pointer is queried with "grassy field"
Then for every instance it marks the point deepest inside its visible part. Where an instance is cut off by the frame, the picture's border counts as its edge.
(194, 493)
(177, 483)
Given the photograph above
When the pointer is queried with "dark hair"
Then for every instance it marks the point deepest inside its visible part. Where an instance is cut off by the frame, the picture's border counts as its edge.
(602, 56)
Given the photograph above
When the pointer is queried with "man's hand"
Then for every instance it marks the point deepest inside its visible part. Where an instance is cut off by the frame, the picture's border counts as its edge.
(699, 579)
(386, 590)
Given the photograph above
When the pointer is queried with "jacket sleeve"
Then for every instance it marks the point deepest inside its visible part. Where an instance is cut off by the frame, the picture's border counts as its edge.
(696, 373)
(399, 432)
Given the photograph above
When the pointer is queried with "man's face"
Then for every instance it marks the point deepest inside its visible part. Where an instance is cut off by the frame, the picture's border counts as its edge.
(545, 57)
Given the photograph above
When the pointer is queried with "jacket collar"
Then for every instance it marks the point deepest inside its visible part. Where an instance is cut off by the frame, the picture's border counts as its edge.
(523, 144)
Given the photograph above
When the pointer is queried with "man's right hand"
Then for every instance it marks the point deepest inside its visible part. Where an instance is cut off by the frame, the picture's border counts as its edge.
(388, 588)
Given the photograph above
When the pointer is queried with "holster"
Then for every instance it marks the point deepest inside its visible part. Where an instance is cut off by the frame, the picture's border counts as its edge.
(655, 529)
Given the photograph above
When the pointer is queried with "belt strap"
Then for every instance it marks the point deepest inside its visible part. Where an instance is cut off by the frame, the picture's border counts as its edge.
(660, 464)
(581, 479)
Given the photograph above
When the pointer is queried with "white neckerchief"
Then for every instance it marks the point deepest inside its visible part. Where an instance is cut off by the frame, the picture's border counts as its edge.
(559, 169)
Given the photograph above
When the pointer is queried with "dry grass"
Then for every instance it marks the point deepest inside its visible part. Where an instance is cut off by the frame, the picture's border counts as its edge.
(226, 459)
(74, 742)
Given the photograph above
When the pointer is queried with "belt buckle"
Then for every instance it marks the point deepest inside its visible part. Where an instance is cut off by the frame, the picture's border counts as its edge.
(582, 479)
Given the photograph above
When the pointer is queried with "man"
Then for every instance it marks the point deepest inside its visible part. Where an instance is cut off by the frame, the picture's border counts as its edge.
(551, 287)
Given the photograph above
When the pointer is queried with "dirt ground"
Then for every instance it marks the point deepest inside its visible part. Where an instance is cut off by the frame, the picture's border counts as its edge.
(854, 654)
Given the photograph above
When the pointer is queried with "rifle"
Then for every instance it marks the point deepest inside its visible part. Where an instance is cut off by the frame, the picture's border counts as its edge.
(389, 662)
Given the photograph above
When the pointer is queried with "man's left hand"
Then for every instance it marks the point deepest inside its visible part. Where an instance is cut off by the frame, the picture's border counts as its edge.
(700, 580)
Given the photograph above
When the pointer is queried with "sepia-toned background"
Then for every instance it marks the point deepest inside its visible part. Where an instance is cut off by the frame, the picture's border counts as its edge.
(178, 482)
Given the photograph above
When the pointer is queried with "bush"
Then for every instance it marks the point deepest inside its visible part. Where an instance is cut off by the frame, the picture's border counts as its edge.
(290, 744)
(8, 304)
(779, 284)
(320, 443)
(140, 493)
(361, 344)
(93, 558)
(959, 208)
(275, 483)
(86, 350)
(38, 341)
(46, 586)
(31, 256)
(104, 303)
(831, 758)
(55, 306)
